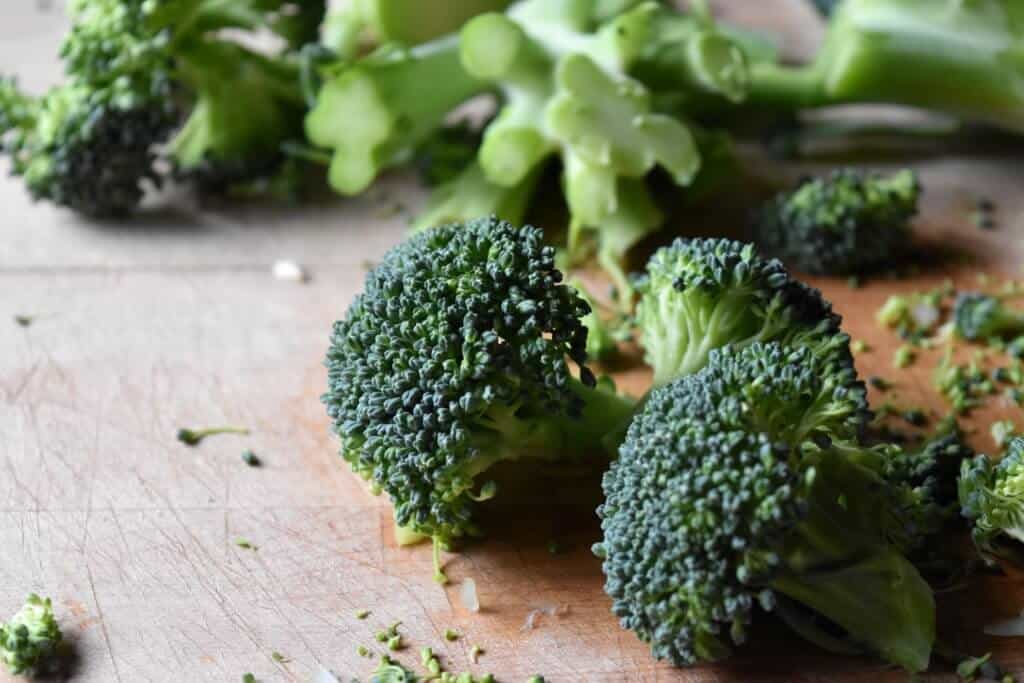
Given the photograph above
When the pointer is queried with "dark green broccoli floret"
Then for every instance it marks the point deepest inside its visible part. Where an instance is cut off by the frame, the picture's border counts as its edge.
(455, 358)
(727, 496)
(849, 223)
(702, 294)
(992, 498)
(981, 316)
(149, 81)
(30, 637)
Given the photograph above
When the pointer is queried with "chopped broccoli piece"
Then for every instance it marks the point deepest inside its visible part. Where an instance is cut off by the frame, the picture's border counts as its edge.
(959, 52)
(849, 223)
(992, 499)
(904, 357)
(454, 359)
(1002, 431)
(981, 316)
(702, 294)
(727, 495)
(963, 386)
(193, 437)
(136, 69)
(30, 637)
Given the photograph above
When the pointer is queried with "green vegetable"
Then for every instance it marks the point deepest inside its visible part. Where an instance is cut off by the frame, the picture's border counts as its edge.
(193, 437)
(30, 637)
(362, 614)
(725, 498)
(966, 59)
(992, 499)
(390, 671)
(851, 222)
(981, 316)
(963, 386)
(903, 357)
(451, 635)
(248, 678)
(703, 294)
(134, 70)
(453, 359)
(1003, 431)
(251, 459)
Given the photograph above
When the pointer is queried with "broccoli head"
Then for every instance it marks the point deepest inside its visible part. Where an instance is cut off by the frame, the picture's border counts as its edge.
(982, 316)
(30, 637)
(992, 499)
(455, 358)
(727, 496)
(849, 223)
(148, 81)
(702, 294)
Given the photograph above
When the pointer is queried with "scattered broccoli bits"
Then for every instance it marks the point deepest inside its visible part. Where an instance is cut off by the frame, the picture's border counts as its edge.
(31, 637)
(851, 222)
(194, 437)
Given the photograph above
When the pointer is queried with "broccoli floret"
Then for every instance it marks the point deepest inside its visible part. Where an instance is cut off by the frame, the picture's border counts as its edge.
(982, 316)
(453, 359)
(702, 294)
(992, 499)
(148, 81)
(728, 496)
(849, 223)
(30, 637)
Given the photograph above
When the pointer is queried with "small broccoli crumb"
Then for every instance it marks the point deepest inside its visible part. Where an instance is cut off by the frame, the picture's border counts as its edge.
(279, 658)
(859, 346)
(395, 643)
(248, 678)
(363, 651)
(535, 679)
(879, 383)
(362, 614)
(451, 635)
(904, 357)
(193, 437)
(245, 544)
(250, 458)
(474, 654)
(853, 282)
(1002, 431)
(24, 320)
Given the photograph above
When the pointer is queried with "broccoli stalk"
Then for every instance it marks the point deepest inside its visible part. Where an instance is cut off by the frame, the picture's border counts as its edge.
(847, 224)
(728, 495)
(965, 56)
(981, 316)
(30, 637)
(453, 360)
(375, 112)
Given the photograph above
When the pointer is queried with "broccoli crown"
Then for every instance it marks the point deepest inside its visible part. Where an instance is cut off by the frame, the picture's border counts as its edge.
(454, 358)
(849, 223)
(30, 636)
(135, 69)
(725, 498)
(702, 294)
(982, 316)
(992, 497)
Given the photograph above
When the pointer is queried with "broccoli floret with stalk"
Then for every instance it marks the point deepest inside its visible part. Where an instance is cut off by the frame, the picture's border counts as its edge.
(848, 223)
(30, 637)
(981, 316)
(148, 81)
(456, 358)
(965, 58)
(702, 294)
(992, 499)
(727, 496)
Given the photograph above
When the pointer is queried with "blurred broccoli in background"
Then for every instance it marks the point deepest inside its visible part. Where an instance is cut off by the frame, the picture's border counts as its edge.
(849, 223)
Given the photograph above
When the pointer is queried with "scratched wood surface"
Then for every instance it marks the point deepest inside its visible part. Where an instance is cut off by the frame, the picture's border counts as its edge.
(174, 320)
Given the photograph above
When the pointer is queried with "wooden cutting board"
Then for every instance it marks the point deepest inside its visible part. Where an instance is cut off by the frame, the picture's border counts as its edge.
(175, 321)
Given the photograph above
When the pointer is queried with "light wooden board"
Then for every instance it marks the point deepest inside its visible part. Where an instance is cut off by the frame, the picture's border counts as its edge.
(175, 321)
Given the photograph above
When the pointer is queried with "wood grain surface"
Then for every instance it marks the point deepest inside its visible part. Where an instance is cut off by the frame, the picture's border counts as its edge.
(174, 320)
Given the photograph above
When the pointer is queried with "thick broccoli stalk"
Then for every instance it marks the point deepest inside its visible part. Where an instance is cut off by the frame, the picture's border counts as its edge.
(136, 69)
(727, 496)
(982, 316)
(966, 59)
(567, 92)
(992, 499)
(455, 358)
(702, 294)
(30, 637)
(849, 223)
(471, 195)
(374, 113)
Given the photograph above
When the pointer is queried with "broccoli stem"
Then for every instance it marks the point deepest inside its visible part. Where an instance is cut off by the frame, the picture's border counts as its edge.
(835, 563)
(966, 60)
